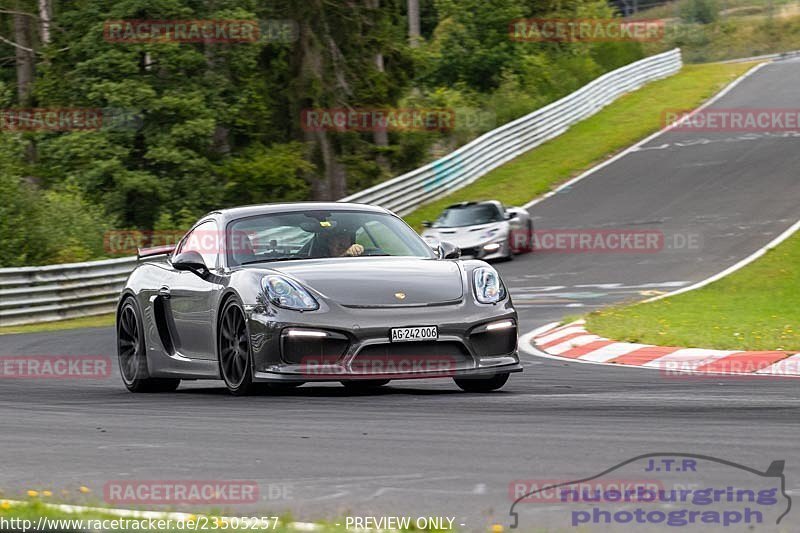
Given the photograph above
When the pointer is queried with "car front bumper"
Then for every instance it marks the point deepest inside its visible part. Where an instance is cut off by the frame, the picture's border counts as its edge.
(356, 342)
(488, 251)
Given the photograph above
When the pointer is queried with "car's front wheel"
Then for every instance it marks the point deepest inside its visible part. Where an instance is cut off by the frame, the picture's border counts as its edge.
(482, 384)
(233, 347)
(131, 353)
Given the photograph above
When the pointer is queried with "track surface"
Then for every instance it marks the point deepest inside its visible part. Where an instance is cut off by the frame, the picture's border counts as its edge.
(424, 448)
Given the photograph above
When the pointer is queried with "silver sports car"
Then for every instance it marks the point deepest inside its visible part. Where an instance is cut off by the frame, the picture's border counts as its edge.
(273, 296)
(483, 230)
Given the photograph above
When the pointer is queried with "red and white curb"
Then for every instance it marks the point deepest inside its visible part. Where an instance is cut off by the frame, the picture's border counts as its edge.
(572, 342)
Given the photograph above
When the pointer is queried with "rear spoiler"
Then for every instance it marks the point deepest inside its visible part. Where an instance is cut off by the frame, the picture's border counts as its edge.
(154, 251)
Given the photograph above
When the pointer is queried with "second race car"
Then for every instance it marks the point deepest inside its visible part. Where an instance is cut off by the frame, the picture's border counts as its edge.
(483, 230)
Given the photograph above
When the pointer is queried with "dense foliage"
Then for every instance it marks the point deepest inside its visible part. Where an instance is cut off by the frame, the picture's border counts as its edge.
(210, 125)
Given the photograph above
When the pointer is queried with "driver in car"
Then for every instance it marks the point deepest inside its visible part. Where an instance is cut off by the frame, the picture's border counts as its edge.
(342, 244)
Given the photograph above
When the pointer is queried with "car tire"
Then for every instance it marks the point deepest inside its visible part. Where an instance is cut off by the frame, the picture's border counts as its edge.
(482, 384)
(233, 349)
(131, 353)
(364, 385)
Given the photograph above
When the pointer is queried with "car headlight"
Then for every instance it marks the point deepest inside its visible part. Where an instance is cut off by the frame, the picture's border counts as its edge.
(488, 287)
(288, 294)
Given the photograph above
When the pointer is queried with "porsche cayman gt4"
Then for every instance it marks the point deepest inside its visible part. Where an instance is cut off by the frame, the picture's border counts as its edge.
(274, 296)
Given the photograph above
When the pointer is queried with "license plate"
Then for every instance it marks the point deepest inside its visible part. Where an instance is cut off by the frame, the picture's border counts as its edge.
(422, 333)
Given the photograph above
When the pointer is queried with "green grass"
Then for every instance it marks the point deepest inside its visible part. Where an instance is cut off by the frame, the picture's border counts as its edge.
(72, 323)
(629, 119)
(755, 308)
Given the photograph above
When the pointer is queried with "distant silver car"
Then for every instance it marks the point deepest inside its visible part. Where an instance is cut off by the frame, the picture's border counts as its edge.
(483, 230)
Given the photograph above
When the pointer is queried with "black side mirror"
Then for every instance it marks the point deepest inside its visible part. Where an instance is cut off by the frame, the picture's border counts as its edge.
(190, 260)
(448, 250)
(510, 216)
(427, 223)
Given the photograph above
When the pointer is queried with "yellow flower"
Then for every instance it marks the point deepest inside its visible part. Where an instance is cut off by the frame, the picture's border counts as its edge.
(497, 528)
(5, 506)
(85, 490)
(46, 493)
(33, 493)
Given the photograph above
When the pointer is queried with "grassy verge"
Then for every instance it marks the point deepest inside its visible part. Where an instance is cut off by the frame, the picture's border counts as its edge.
(730, 30)
(629, 119)
(72, 323)
(752, 309)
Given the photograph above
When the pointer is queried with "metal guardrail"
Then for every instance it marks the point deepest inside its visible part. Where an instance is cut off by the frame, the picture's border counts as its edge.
(55, 292)
(780, 56)
(405, 193)
(42, 294)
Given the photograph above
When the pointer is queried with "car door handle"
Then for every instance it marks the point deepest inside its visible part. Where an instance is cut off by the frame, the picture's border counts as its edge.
(164, 292)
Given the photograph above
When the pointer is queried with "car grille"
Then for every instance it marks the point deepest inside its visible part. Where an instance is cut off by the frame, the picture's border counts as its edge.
(472, 252)
(410, 357)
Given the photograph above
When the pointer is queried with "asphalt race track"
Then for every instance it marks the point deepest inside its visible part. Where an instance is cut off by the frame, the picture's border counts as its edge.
(425, 448)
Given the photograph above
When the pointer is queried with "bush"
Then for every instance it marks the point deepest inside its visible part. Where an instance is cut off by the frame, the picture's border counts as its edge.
(700, 11)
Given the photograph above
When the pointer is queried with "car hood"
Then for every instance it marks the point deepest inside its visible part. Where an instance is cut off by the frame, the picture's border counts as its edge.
(469, 236)
(378, 281)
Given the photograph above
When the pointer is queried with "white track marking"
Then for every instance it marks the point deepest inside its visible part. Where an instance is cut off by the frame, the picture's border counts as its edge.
(612, 351)
(646, 140)
(733, 268)
(779, 368)
(687, 359)
(566, 346)
(784, 367)
(562, 333)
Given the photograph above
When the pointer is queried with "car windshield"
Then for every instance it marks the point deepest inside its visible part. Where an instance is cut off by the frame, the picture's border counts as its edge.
(321, 234)
(468, 215)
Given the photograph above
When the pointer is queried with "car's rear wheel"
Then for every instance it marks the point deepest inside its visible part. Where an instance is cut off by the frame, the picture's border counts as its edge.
(234, 350)
(482, 384)
(132, 353)
(363, 385)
